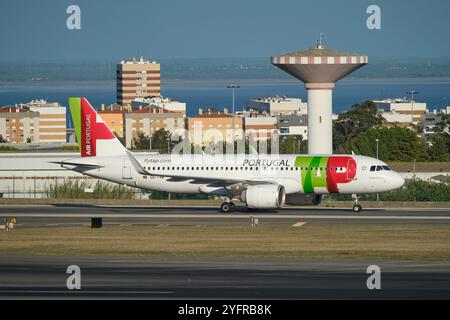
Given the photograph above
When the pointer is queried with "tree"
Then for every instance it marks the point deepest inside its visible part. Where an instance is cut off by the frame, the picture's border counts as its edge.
(438, 150)
(161, 140)
(141, 142)
(292, 144)
(358, 119)
(395, 144)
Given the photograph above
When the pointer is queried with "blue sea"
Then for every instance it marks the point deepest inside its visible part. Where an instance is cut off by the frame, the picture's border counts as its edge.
(204, 95)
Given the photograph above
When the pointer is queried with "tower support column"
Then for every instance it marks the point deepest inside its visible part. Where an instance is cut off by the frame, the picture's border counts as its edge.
(320, 127)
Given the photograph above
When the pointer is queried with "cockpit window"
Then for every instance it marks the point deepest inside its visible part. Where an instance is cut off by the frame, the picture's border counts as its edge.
(380, 168)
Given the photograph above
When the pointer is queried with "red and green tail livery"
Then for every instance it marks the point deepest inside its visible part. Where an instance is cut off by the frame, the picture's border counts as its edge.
(94, 137)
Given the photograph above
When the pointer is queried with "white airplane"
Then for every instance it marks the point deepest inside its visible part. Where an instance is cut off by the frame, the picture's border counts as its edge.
(259, 181)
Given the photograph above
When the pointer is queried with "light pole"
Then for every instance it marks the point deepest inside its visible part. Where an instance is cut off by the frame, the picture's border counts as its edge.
(233, 87)
(378, 141)
(412, 93)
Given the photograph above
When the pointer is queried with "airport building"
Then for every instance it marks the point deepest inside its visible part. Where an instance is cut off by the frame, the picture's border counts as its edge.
(137, 78)
(29, 175)
(277, 105)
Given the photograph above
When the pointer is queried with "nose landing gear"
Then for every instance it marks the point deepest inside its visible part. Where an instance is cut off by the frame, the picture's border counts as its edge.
(356, 206)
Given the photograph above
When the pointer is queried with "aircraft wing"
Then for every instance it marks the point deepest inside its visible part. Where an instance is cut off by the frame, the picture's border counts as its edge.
(78, 164)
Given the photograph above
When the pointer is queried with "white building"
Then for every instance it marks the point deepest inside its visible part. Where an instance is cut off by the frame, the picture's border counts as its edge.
(160, 102)
(260, 127)
(278, 105)
(293, 125)
(402, 106)
(446, 110)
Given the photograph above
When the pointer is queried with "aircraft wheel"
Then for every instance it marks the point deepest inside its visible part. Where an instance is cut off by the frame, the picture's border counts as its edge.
(357, 208)
(226, 207)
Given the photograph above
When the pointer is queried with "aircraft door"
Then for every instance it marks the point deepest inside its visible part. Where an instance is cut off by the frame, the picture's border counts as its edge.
(126, 169)
(351, 169)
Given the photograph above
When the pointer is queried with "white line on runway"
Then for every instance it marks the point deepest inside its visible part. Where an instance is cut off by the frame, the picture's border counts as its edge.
(222, 216)
(85, 291)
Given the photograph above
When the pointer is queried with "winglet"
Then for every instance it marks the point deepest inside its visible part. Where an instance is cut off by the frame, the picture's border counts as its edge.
(139, 169)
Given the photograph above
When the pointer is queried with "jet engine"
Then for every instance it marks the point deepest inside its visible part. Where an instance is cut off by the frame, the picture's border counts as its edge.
(264, 196)
(299, 199)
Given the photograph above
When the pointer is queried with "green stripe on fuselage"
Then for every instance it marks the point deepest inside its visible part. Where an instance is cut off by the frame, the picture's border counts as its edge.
(311, 175)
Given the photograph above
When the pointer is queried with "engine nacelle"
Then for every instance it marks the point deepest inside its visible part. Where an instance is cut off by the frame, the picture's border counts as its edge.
(264, 196)
(300, 199)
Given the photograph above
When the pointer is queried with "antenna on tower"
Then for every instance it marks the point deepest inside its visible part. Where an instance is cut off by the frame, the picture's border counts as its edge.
(320, 44)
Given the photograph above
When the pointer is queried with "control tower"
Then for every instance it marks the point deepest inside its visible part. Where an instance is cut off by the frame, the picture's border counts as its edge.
(319, 69)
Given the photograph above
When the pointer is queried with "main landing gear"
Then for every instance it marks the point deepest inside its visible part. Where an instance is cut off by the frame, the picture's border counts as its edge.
(227, 207)
(356, 206)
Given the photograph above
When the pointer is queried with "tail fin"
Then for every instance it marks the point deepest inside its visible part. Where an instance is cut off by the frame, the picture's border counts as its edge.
(93, 135)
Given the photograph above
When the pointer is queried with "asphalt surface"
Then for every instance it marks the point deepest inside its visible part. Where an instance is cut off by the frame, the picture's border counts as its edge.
(60, 215)
(177, 278)
(210, 278)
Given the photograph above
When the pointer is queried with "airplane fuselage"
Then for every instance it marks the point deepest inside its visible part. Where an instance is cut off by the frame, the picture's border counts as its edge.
(304, 174)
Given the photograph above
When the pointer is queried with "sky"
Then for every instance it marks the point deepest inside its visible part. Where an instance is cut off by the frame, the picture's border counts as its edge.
(112, 30)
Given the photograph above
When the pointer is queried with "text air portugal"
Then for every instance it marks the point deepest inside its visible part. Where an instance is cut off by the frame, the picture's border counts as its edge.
(91, 130)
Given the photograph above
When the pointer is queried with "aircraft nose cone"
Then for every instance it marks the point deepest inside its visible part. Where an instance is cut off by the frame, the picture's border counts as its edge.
(399, 181)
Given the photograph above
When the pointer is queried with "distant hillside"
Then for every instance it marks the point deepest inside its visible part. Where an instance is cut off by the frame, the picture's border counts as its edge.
(218, 69)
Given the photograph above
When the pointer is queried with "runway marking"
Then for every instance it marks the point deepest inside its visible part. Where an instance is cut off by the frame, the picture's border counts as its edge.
(228, 216)
(298, 224)
(85, 291)
(164, 225)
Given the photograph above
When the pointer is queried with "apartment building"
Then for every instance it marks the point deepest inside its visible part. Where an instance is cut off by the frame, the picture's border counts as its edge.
(114, 117)
(52, 120)
(277, 105)
(159, 102)
(402, 106)
(214, 126)
(19, 125)
(137, 78)
(149, 120)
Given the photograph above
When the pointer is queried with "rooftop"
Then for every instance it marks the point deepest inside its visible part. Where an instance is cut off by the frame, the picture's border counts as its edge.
(135, 60)
(319, 52)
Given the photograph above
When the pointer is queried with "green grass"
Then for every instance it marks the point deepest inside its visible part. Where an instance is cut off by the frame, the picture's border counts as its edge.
(343, 241)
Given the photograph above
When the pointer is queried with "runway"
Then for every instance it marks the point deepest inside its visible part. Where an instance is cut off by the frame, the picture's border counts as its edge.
(221, 278)
(57, 215)
(225, 278)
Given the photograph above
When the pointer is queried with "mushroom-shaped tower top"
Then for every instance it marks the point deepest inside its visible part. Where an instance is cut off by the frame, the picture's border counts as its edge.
(319, 65)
